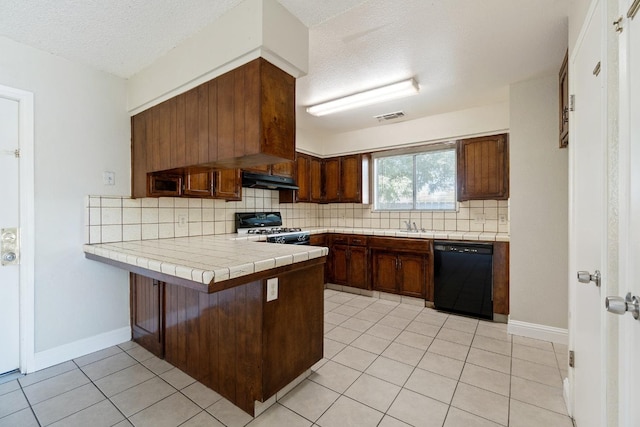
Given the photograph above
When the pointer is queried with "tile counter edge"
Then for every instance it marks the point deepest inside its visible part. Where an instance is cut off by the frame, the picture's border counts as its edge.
(147, 255)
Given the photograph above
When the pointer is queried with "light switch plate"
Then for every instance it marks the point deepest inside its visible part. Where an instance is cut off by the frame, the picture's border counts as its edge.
(109, 178)
(272, 289)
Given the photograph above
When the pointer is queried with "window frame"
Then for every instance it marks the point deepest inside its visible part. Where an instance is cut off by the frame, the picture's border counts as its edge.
(440, 146)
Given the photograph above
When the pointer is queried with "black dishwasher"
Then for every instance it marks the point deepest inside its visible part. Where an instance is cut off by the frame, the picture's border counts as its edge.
(463, 278)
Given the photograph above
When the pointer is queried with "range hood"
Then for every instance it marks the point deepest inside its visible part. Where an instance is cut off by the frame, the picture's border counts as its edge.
(269, 182)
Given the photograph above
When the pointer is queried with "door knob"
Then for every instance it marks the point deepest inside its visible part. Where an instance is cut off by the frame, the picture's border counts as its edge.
(9, 257)
(619, 305)
(586, 277)
(9, 246)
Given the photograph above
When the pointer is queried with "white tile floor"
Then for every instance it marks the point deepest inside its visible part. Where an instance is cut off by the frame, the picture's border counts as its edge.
(386, 364)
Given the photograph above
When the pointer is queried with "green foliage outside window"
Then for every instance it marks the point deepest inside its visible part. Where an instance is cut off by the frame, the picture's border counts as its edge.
(419, 181)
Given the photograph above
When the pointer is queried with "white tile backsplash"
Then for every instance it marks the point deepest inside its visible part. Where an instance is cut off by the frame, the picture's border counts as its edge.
(112, 218)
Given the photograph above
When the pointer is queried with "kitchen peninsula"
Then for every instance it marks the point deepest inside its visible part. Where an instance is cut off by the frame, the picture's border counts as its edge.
(243, 317)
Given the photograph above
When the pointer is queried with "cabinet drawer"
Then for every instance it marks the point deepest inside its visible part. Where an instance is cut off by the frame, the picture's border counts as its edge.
(358, 240)
(339, 239)
(401, 244)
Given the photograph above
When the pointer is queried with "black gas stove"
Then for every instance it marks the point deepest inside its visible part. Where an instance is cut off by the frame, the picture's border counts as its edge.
(269, 224)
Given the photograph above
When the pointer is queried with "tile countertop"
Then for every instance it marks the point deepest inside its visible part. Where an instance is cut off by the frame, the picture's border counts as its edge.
(429, 234)
(205, 259)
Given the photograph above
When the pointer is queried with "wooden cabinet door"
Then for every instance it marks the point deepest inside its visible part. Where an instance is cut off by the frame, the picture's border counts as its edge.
(147, 313)
(198, 183)
(340, 263)
(228, 184)
(358, 267)
(483, 168)
(351, 178)
(384, 271)
(412, 278)
(283, 169)
(303, 178)
(564, 102)
(315, 180)
(164, 185)
(332, 180)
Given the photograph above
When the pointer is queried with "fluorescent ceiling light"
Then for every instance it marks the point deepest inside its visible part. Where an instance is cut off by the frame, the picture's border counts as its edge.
(368, 97)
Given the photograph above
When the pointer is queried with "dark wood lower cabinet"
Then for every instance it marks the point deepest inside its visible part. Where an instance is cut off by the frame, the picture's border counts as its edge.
(147, 313)
(349, 261)
(401, 266)
(234, 341)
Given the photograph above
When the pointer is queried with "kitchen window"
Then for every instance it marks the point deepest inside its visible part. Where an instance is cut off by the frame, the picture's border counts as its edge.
(416, 179)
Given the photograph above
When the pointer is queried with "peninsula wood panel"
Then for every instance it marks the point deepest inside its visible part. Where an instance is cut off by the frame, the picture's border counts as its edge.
(147, 313)
(242, 347)
(294, 321)
(215, 338)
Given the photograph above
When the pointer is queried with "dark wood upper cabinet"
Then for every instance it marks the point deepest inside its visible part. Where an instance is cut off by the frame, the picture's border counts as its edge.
(564, 102)
(351, 178)
(198, 183)
(316, 180)
(332, 180)
(483, 168)
(307, 172)
(243, 118)
(228, 184)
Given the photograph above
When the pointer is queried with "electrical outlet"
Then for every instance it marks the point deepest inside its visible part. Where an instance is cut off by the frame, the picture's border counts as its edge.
(480, 219)
(272, 289)
(108, 178)
(502, 219)
(183, 221)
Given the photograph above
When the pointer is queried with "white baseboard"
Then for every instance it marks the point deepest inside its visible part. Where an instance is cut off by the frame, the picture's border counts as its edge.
(539, 332)
(63, 353)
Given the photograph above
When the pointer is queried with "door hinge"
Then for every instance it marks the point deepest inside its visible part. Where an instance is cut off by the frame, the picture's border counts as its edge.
(596, 70)
(633, 9)
(617, 25)
(572, 359)
(15, 152)
(572, 103)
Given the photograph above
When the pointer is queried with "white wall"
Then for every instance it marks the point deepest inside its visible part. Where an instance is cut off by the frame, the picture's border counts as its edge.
(485, 120)
(81, 129)
(253, 28)
(539, 206)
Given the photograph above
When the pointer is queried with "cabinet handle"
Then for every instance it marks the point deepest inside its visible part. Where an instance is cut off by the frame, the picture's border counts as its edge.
(400, 264)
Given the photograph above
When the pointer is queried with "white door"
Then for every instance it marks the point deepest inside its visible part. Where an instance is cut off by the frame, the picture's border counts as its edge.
(587, 154)
(629, 344)
(9, 218)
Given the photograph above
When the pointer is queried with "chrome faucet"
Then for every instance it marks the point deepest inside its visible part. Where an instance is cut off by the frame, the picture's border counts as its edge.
(408, 224)
(415, 227)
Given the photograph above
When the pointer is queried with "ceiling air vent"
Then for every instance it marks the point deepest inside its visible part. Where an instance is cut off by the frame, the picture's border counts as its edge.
(389, 116)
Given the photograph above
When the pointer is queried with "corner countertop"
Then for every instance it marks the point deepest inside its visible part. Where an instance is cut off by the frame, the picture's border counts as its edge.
(429, 234)
(205, 259)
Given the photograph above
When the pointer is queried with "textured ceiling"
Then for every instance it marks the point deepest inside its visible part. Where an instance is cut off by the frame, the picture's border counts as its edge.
(463, 53)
